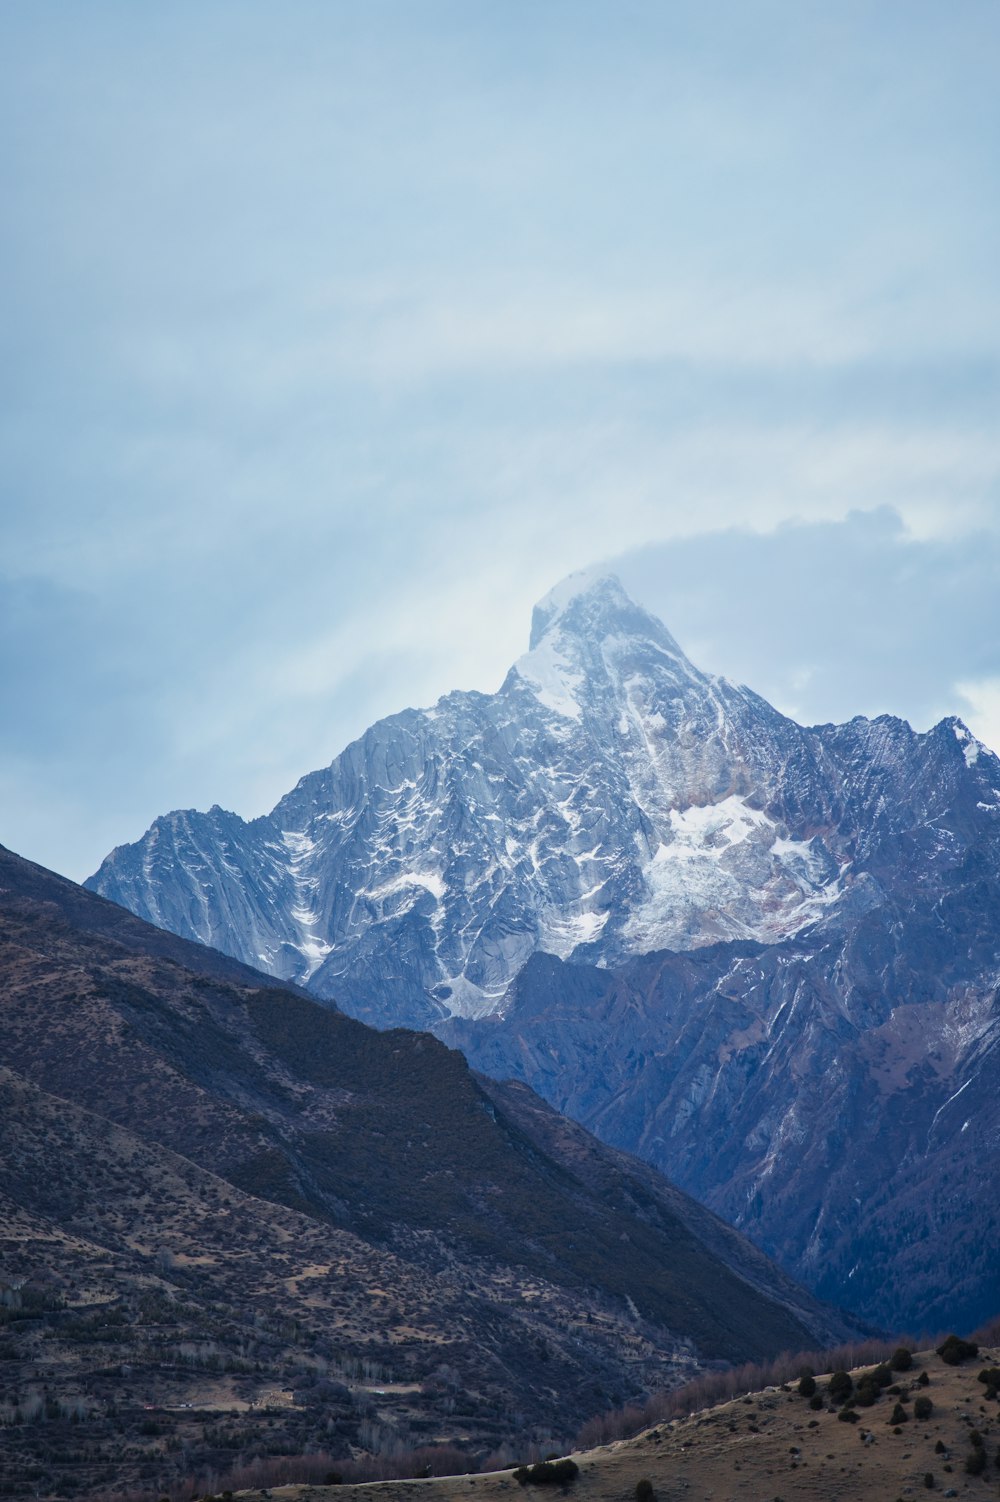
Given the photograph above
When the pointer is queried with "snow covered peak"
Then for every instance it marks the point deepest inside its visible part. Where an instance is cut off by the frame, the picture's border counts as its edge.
(592, 604)
(581, 582)
(592, 646)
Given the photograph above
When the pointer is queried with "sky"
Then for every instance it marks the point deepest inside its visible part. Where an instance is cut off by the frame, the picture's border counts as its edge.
(332, 335)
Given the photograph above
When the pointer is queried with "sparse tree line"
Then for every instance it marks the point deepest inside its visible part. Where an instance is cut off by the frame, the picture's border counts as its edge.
(711, 1388)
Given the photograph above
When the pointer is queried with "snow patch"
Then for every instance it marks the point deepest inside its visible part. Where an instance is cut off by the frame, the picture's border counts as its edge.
(725, 871)
(711, 829)
(466, 999)
(947, 1103)
(581, 582)
(311, 945)
(429, 881)
(552, 678)
(560, 934)
(970, 746)
(298, 843)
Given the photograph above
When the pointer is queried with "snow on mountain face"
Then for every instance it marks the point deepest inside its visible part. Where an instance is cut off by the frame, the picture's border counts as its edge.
(608, 800)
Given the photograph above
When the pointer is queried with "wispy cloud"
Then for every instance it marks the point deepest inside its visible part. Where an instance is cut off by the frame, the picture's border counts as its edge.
(980, 701)
(833, 619)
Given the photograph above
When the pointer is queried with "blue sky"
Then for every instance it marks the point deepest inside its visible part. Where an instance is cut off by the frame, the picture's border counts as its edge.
(334, 334)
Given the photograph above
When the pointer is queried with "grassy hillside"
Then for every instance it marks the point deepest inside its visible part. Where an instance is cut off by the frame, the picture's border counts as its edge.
(772, 1443)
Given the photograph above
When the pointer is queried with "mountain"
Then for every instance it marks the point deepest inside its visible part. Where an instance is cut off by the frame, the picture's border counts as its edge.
(764, 956)
(608, 800)
(235, 1222)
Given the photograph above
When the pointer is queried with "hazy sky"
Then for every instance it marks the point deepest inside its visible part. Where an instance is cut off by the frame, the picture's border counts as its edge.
(334, 334)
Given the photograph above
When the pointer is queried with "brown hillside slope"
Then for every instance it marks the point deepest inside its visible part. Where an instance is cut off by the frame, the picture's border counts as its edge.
(770, 1445)
(224, 1195)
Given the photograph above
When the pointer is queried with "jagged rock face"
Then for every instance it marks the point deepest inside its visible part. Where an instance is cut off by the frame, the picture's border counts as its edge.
(834, 1097)
(610, 799)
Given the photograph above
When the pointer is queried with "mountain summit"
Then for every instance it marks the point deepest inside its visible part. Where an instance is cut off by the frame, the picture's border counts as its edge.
(579, 633)
(609, 800)
(590, 605)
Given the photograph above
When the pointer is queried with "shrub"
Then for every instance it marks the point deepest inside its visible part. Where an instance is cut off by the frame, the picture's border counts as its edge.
(923, 1380)
(922, 1408)
(807, 1385)
(847, 1416)
(953, 1350)
(881, 1376)
(975, 1462)
(929, 1480)
(644, 1490)
(840, 1386)
(899, 1415)
(816, 1402)
(547, 1473)
(867, 1393)
(901, 1359)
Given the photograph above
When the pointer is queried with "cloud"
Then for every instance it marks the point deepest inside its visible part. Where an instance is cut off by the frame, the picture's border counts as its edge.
(708, 323)
(982, 709)
(830, 620)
